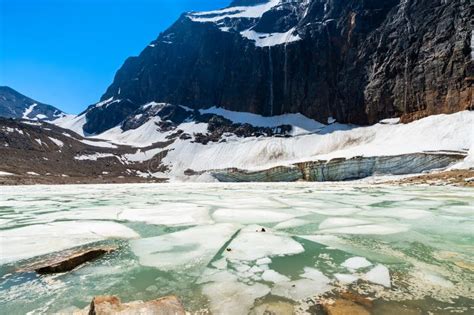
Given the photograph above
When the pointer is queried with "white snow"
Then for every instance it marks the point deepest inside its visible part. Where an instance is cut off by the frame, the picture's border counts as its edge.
(100, 144)
(2, 173)
(233, 12)
(93, 157)
(28, 111)
(301, 124)
(271, 39)
(36, 240)
(193, 247)
(377, 140)
(72, 122)
(355, 263)
(57, 142)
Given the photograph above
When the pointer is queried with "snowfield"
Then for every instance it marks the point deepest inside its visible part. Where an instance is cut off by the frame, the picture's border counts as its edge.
(309, 141)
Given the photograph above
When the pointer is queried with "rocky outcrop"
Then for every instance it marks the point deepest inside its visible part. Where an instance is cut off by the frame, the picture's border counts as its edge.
(357, 61)
(111, 305)
(42, 153)
(68, 260)
(345, 169)
(16, 105)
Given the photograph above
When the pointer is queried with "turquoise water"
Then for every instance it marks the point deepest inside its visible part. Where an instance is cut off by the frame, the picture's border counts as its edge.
(402, 246)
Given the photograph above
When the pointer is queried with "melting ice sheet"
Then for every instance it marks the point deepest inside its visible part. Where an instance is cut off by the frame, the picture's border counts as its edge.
(231, 247)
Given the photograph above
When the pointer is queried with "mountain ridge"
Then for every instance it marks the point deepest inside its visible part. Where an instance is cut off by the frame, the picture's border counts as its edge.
(13, 104)
(357, 61)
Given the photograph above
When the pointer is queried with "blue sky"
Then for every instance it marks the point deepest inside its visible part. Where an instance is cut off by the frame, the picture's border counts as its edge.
(66, 52)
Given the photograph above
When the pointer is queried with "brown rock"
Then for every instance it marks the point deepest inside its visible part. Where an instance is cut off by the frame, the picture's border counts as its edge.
(67, 260)
(354, 297)
(274, 308)
(344, 307)
(108, 305)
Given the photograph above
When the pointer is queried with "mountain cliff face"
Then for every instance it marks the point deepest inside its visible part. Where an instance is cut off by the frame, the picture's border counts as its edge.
(358, 61)
(17, 105)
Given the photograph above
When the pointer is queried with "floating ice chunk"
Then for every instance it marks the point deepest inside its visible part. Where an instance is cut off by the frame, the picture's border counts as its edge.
(212, 275)
(300, 289)
(193, 247)
(273, 276)
(252, 245)
(263, 261)
(255, 269)
(436, 280)
(291, 223)
(345, 278)
(250, 216)
(35, 240)
(355, 263)
(220, 264)
(376, 229)
(408, 214)
(242, 268)
(233, 298)
(379, 275)
(341, 222)
(168, 214)
(314, 274)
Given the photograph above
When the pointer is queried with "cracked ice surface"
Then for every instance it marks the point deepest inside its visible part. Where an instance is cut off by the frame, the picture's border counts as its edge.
(225, 247)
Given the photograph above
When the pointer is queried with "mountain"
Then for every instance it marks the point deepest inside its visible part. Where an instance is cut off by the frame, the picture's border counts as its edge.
(16, 105)
(355, 61)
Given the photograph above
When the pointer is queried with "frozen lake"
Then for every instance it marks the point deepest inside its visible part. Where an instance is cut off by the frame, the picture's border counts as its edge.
(404, 246)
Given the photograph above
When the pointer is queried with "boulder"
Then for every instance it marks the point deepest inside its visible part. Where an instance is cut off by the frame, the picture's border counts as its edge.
(108, 305)
(67, 260)
(344, 307)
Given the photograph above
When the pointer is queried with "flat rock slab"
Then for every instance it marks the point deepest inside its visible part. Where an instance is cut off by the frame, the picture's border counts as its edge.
(67, 260)
(344, 307)
(108, 305)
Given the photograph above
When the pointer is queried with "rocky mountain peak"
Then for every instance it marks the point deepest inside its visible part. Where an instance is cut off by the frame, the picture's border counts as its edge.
(357, 61)
(16, 105)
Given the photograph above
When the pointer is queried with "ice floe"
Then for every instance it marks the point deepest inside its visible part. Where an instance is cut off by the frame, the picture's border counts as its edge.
(35, 240)
(250, 216)
(232, 297)
(379, 275)
(252, 245)
(193, 247)
(355, 263)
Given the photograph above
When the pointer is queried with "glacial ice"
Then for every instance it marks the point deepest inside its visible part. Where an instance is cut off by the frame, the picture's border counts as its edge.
(193, 247)
(35, 240)
(356, 263)
(251, 245)
(250, 216)
(273, 276)
(233, 298)
(379, 275)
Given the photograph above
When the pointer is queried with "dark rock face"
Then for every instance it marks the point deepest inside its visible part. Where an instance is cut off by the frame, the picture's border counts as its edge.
(174, 115)
(358, 61)
(68, 260)
(16, 105)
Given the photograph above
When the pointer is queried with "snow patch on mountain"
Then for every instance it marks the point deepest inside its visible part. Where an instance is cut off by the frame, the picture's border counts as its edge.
(271, 39)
